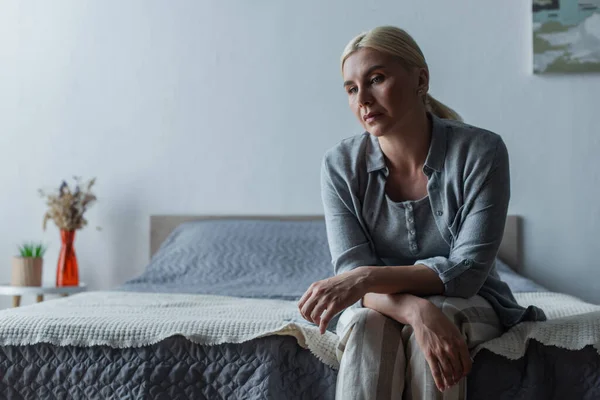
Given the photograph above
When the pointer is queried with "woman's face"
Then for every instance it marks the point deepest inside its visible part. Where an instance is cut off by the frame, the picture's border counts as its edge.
(382, 93)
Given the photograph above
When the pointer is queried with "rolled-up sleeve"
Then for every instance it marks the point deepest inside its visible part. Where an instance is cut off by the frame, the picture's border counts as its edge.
(348, 243)
(476, 244)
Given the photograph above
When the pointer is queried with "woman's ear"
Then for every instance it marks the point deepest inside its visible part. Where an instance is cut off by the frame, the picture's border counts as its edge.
(423, 80)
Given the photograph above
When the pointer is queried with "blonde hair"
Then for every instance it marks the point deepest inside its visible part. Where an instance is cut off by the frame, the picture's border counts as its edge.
(398, 43)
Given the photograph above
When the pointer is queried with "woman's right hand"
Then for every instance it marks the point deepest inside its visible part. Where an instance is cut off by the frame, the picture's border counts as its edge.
(444, 347)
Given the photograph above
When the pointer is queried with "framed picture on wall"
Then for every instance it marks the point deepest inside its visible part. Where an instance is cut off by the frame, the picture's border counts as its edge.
(566, 36)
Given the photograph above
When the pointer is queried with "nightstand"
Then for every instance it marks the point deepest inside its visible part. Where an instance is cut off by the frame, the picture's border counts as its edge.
(17, 291)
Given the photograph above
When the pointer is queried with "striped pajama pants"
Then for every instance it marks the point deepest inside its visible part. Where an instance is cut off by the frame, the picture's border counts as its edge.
(381, 360)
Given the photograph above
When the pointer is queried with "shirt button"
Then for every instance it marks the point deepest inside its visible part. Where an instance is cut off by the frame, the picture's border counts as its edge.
(439, 213)
(467, 262)
(412, 232)
(411, 220)
(413, 246)
(409, 207)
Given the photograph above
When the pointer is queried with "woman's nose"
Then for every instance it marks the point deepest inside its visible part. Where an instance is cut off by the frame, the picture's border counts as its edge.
(364, 98)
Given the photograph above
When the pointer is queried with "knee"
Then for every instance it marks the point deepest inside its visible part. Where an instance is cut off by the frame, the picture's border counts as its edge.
(364, 314)
(460, 310)
(366, 318)
(451, 306)
(437, 300)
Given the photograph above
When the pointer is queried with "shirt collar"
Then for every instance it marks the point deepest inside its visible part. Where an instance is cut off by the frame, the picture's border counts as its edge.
(435, 157)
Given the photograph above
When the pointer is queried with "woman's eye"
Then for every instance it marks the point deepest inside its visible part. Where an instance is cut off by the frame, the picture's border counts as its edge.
(352, 90)
(377, 79)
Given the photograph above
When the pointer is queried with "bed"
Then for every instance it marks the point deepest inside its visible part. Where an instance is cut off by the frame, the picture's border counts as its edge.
(269, 262)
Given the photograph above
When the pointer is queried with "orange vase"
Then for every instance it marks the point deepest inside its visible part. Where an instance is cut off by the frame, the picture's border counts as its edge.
(67, 273)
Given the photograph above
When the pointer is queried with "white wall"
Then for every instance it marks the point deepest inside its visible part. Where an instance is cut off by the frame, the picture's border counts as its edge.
(226, 107)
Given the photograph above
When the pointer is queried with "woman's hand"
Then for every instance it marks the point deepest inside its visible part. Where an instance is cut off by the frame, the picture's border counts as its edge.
(444, 347)
(331, 296)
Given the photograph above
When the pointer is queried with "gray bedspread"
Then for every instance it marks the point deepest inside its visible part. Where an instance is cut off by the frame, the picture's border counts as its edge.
(268, 260)
(264, 368)
(545, 373)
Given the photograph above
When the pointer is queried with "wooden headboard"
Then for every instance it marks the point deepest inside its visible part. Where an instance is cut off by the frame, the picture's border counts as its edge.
(162, 225)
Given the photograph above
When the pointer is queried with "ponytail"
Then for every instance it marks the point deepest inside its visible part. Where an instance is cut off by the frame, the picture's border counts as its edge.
(440, 110)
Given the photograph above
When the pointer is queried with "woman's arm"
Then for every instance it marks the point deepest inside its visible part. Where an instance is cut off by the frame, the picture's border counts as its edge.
(349, 244)
(413, 279)
(401, 307)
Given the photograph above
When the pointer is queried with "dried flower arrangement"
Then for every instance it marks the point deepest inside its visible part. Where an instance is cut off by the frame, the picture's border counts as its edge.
(67, 207)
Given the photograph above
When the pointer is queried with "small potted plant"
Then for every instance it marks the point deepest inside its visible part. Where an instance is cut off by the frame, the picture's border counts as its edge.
(27, 267)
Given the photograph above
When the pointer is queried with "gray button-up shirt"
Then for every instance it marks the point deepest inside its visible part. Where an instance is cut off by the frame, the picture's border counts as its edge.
(469, 190)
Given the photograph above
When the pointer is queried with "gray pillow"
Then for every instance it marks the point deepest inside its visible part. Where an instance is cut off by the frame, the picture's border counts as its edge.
(515, 281)
(245, 258)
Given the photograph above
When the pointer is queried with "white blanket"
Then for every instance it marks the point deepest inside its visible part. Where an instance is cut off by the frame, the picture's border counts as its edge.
(572, 324)
(125, 319)
(128, 319)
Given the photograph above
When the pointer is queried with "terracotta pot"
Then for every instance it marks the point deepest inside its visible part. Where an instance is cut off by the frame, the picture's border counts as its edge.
(26, 271)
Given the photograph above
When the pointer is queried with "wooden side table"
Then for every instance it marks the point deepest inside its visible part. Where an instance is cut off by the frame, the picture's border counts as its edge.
(17, 291)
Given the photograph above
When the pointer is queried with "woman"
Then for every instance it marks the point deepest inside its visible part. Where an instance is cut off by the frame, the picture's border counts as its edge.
(415, 209)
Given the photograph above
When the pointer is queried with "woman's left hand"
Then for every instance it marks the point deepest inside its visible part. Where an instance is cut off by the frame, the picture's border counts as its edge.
(331, 296)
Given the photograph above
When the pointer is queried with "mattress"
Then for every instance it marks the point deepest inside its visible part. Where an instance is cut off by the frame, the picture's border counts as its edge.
(230, 258)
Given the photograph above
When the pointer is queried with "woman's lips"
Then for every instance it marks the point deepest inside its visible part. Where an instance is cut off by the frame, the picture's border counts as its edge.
(370, 117)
